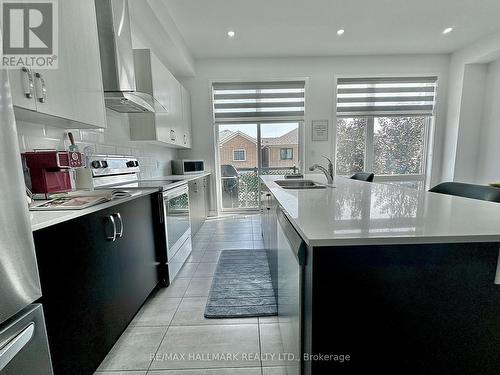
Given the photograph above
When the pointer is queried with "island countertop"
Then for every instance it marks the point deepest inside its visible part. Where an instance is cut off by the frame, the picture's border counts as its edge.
(361, 213)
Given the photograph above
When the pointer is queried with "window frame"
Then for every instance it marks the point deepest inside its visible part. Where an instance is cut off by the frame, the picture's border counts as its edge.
(370, 149)
(286, 149)
(244, 154)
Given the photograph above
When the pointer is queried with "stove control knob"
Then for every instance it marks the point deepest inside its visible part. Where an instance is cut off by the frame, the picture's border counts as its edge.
(130, 163)
(104, 164)
(96, 164)
(136, 163)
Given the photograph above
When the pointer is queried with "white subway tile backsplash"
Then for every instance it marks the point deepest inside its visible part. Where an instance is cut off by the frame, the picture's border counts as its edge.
(92, 136)
(115, 139)
(106, 149)
(59, 134)
(32, 130)
(123, 151)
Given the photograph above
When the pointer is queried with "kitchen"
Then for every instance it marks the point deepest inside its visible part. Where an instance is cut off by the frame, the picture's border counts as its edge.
(208, 188)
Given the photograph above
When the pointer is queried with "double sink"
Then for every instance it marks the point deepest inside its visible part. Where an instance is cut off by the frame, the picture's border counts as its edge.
(299, 184)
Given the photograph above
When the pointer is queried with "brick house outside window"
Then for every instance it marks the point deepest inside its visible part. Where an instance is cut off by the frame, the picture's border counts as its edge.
(276, 152)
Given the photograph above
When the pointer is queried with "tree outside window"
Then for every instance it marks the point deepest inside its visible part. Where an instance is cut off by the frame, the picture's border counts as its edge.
(393, 148)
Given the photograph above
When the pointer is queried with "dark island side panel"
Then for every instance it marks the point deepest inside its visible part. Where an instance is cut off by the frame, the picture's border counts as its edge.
(412, 309)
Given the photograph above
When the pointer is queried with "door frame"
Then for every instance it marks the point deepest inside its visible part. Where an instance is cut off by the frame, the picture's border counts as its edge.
(218, 181)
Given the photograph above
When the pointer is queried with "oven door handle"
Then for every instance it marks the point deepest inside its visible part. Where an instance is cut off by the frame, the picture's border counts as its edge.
(12, 347)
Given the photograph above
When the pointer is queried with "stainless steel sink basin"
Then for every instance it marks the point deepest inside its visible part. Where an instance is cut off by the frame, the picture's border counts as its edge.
(299, 184)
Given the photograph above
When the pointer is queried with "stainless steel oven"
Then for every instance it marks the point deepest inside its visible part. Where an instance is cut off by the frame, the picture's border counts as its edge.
(178, 228)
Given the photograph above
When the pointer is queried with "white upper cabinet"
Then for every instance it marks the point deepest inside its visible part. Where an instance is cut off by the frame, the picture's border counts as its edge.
(166, 126)
(73, 93)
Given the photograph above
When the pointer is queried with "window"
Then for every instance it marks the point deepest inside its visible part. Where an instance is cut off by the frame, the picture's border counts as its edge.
(239, 155)
(286, 153)
(382, 127)
(269, 116)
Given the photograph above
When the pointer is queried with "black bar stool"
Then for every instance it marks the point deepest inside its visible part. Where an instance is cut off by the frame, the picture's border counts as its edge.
(363, 176)
(482, 192)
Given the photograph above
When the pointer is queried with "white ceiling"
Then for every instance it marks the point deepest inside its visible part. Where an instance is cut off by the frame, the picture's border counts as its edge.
(282, 28)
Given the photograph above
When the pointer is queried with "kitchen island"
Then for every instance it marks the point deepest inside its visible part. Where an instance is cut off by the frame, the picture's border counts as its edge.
(399, 280)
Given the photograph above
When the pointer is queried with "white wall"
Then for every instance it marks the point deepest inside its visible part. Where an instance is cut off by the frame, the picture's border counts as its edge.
(482, 52)
(471, 110)
(488, 152)
(320, 93)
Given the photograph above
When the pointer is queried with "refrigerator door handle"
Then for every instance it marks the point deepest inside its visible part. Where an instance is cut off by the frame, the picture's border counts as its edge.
(10, 349)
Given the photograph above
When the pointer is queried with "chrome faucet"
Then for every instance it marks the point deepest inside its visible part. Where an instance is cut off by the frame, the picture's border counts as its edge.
(328, 172)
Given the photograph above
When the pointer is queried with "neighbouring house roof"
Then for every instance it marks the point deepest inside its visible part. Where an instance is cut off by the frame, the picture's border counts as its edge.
(223, 135)
(290, 138)
(227, 135)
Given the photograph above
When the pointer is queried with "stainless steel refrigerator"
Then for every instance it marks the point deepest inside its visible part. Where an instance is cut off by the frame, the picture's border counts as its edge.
(23, 339)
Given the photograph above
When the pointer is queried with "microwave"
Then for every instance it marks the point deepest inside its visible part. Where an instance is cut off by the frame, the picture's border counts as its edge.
(187, 166)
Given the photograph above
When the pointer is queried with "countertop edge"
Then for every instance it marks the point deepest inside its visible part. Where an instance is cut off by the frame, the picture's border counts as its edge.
(58, 217)
(373, 241)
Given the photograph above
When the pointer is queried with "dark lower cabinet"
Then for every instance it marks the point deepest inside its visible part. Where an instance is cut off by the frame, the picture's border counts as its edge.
(93, 285)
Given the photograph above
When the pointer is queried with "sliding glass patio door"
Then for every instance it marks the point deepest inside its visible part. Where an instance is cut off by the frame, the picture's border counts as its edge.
(245, 151)
(238, 166)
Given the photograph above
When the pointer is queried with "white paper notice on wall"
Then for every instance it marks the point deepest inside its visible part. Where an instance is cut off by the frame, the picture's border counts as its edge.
(320, 130)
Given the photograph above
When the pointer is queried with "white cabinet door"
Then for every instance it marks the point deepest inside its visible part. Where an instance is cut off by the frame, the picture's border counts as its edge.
(176, 111)
(74, 90)
(186, 118)
(22, 88)
(167, 90)
(168, 127)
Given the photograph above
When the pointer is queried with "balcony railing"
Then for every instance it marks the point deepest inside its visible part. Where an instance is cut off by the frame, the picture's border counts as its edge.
(242, 191)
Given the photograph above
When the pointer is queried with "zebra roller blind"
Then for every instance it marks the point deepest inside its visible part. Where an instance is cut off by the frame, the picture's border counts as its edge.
(386, 96)
(250, 101)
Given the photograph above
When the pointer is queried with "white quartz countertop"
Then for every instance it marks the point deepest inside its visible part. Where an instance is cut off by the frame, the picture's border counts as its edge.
(185, 177)
(44, 219)
(361, 213)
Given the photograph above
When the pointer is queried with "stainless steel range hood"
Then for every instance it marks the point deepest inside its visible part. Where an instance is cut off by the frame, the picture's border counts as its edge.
(117, 60)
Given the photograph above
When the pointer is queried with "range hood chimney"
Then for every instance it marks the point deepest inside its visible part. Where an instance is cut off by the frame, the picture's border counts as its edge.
(117, 60)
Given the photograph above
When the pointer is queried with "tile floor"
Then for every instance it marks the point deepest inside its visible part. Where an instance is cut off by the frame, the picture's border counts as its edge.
(170, 336)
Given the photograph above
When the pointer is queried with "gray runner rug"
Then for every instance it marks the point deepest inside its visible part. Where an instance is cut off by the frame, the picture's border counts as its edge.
(241, 286)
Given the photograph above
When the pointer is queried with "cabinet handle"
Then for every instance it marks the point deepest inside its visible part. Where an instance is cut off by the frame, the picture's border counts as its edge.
(28, 84)
(172, 135)
(42, 95)
(185, 139)
(113, 237)
(119, 217)
(195, 187)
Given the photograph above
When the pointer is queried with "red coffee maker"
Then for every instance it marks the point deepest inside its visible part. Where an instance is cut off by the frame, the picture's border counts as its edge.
(50, 170)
